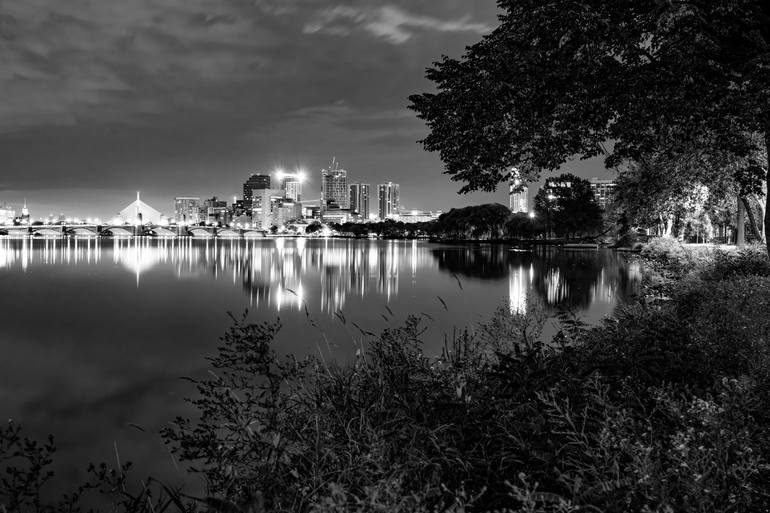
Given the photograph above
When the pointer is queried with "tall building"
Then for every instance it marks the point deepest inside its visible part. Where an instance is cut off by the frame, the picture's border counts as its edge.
(603, 191)
(25, 213)
(264, 204)
(387, 195)
(291, 184)
(359, 199)
(7, 214)
(334, 187)
(216, 211)
(518, 193)
(255, 182)
(187, 209)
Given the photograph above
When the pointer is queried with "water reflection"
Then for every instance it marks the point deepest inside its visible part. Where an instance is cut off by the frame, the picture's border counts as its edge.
(280, 273)
(564, 279)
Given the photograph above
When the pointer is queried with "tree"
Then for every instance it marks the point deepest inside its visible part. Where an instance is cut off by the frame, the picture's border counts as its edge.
(313, 227)
(522, 226)
(558, 79)
(674, 195)
(567, 204)
(485, 221)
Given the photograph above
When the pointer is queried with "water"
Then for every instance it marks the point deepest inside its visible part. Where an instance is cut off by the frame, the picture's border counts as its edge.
(97, 332)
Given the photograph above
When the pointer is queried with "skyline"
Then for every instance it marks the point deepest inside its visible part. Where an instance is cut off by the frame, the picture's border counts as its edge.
(189, 98)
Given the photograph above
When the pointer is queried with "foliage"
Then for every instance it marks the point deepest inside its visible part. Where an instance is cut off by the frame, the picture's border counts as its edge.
(523, 226)
(486, 221)
(666, 249)
(555, 80)
(567, 204)
(682, 81)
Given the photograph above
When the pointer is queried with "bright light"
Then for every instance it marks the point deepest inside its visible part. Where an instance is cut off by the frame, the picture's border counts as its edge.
(551, 197)
(280, 174)
(532, 215)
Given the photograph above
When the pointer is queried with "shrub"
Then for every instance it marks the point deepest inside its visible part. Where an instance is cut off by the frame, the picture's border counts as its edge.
(748, 261)
(665, 249)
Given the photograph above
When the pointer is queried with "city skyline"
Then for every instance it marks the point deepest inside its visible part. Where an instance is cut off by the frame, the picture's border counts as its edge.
(259, 86)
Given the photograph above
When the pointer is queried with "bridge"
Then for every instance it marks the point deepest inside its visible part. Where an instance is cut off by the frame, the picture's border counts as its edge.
(93, 230)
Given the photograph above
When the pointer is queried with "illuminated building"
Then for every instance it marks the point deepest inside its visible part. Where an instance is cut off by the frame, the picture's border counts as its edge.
(140, 212)
(187, 210)
(416, 216)
(254, 183)
(518, 193)
(216, 211)
(291, 184)
(359, 199)
(603, 191)
(7, 214)
(334, 187)
(263, 204)
(387, 196)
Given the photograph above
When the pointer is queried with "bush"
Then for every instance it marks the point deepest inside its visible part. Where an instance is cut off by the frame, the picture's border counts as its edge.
(665, 249)
(749, 261)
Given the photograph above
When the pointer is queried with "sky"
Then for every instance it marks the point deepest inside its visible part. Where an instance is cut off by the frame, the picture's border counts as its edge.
(103, 98)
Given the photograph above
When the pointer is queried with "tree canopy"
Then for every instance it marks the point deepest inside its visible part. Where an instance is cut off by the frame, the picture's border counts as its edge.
(620, 78)
(567, 205)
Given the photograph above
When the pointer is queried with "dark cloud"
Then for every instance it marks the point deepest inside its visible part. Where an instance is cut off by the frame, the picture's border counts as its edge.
(189, 96)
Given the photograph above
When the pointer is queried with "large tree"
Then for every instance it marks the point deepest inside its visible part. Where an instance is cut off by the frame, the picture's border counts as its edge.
(567, 206)
(622, 78)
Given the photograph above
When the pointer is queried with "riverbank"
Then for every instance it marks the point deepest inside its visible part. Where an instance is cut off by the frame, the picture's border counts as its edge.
(663, 407)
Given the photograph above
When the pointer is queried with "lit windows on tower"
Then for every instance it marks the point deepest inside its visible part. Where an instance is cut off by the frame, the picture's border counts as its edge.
(334, 187)
(518, 193)
(387, 196)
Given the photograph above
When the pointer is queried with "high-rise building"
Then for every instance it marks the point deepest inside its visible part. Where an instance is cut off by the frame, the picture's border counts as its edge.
(264, 204)
(187, 209)
(603, 191)
(334, 188)
(291, 184)
(518, 193)
(387, 195)
(359, 199)
(7, 214)
(255, 182)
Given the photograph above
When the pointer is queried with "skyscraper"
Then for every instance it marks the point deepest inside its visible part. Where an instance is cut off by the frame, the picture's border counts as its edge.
(291, 184)
(334, 187)
(387, 195)
(187, 209)
(255, 182)
(518, 193)
(359, 199)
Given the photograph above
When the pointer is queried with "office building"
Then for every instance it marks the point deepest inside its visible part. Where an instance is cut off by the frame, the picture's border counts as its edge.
(263, 204)
(187, 210)
(334, 188)
(291, 184)
(387, 196)
(603, 191)
(416, 216)
(7, 215)
(254, 183)
(216, 211)
(359, 199)
(518, 193)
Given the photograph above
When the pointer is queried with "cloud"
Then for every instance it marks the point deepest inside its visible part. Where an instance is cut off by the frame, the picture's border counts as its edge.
(391, 23)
